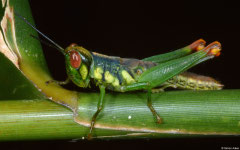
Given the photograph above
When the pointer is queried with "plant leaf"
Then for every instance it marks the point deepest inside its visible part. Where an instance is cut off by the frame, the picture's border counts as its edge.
(14, 85)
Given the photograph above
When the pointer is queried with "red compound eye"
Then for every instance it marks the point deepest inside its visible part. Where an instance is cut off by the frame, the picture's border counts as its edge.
(75, 59)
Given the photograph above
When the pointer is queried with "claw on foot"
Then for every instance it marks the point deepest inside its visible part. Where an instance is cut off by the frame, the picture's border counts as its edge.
(89, 137)
(159, 120)
(48, 82)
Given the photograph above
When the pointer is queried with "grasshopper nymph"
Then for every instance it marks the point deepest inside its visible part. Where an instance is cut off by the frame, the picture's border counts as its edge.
(152, 74)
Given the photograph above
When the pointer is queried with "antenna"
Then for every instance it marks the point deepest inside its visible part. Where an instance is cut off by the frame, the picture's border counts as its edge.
(55, 44)
(43, 42)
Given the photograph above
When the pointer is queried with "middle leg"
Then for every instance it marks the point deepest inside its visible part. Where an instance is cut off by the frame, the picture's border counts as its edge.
(150, 106)
(99, 109)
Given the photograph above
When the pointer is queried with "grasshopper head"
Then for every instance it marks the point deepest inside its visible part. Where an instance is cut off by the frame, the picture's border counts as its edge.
(78, 63)
(78, 59)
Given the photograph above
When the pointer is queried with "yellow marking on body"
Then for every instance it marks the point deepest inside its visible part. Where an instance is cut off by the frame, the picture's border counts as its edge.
(116, 82)
(98, 73)
(191, 80)
(83, 71)
(127, 77)
(109, 77)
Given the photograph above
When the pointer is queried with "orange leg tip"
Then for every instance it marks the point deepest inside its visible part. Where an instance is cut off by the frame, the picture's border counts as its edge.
(218, 54)
(213, 48)
(198, 45)
(215, 51)
(203, 42)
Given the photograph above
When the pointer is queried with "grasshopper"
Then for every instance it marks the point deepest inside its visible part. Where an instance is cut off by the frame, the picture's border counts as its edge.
(152, 74)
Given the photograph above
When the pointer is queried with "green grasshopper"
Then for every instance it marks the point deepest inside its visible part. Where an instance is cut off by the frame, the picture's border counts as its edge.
(152, 74)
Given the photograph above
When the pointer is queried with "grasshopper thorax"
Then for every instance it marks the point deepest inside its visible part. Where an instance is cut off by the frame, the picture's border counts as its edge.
(78, 63)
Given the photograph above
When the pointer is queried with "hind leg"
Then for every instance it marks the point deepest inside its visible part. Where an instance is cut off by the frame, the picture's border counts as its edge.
(195, 46)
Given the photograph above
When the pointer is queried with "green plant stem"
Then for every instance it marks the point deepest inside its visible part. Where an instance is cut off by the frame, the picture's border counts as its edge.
(26, 115)
(184, 113)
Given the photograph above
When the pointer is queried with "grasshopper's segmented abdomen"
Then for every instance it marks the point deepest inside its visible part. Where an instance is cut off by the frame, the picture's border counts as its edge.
(193, 81)
(115, 72)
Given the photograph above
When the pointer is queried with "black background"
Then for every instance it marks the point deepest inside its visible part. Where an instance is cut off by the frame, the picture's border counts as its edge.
(140, 29)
